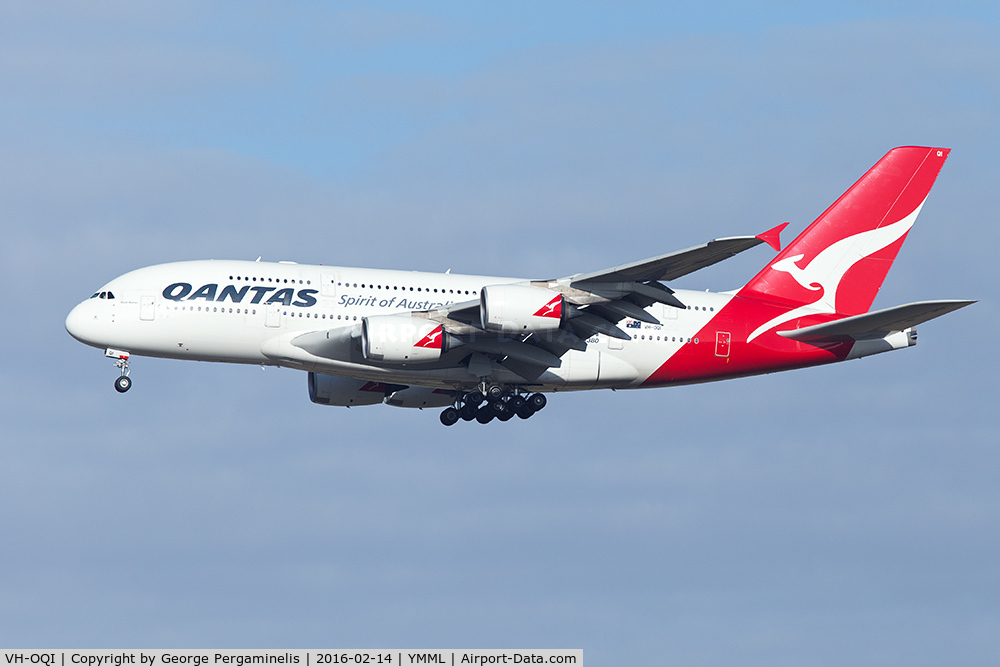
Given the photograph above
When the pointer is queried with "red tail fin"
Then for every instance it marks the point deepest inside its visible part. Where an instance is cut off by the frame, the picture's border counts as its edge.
(838, 263)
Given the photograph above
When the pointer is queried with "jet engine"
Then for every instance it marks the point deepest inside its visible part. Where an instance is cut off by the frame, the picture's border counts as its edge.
(403, 339)
(520, 309)
(334, 390)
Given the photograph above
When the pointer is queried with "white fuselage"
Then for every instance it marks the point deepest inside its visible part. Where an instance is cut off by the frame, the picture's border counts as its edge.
(250, 312)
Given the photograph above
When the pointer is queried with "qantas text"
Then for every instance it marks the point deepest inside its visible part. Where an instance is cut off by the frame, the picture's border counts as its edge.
(286, 297)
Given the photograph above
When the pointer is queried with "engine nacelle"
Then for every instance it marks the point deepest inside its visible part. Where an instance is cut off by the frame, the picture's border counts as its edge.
(346, 392)
(402, 339)
(520, 309)
(420, 397)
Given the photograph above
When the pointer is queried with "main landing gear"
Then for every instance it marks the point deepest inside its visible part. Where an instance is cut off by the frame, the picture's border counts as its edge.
(124, 382)
(495, 403)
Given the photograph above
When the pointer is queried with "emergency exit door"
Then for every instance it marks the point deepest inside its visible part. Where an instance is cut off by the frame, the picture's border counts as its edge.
(147, 308)
(273, 316)
(722, 339)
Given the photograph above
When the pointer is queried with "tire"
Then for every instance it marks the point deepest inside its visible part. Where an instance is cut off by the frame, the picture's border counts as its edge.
(449, 416)
(537, 401)
(484, 416)
(123, 384)
(525, 412)
(474, 397)
(515, 403)
(468, 412)
(495, 392)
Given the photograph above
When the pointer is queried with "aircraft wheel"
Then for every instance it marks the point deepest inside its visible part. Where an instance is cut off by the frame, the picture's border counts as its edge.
(449, 416)
(468, 412)
(474, 397)
(123, 384)
(515, 403)
(506, 415)
(537, 401)
(495, 392)
(525, 412)
(484, 416)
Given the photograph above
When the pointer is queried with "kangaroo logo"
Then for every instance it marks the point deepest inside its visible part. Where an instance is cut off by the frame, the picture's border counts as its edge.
(433, 339)
(825, 271)
(552, 309)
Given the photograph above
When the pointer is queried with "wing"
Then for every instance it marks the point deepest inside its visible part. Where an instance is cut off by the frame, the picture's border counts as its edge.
(593, 303)
(676, 264)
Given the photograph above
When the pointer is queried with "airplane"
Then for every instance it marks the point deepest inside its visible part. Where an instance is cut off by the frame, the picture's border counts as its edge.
(490, 348)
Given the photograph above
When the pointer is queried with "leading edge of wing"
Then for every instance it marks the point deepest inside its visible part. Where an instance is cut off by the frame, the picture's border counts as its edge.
(682, 262)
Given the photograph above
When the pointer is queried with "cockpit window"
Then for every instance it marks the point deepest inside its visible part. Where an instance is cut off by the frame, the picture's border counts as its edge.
(110, 295)
(104, 295)
(96, 294)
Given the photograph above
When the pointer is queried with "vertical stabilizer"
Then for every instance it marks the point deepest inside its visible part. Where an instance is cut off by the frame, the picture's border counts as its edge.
(838, 263)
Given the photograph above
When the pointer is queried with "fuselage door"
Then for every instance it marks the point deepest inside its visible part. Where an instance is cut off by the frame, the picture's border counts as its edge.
(147, 308)
(722, 339)
(328, 285)
(273, 317)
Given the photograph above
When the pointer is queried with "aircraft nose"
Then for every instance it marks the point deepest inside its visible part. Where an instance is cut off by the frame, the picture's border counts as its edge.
(81, 323)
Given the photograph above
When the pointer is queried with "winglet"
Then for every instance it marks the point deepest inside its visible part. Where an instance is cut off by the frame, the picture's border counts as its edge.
(772, 237)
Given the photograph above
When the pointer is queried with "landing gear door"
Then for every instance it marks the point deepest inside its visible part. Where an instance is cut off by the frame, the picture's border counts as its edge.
(273, 317)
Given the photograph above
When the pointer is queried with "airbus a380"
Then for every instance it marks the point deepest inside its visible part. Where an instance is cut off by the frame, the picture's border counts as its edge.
(488, 348)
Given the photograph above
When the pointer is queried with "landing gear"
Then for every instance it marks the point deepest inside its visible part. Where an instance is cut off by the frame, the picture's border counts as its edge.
(502, 407)
(448, 417)
(123, 383)
(495, 392)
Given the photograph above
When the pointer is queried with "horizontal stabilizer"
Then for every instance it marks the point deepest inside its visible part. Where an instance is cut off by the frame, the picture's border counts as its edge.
(876, 324)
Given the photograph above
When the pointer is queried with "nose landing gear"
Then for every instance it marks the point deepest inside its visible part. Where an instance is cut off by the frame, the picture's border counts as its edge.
(124, 382)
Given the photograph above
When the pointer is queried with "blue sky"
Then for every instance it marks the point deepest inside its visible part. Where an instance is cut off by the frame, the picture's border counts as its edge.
(819, 517)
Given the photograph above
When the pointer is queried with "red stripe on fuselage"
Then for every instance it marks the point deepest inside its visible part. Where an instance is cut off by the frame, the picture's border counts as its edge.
(695, 362)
